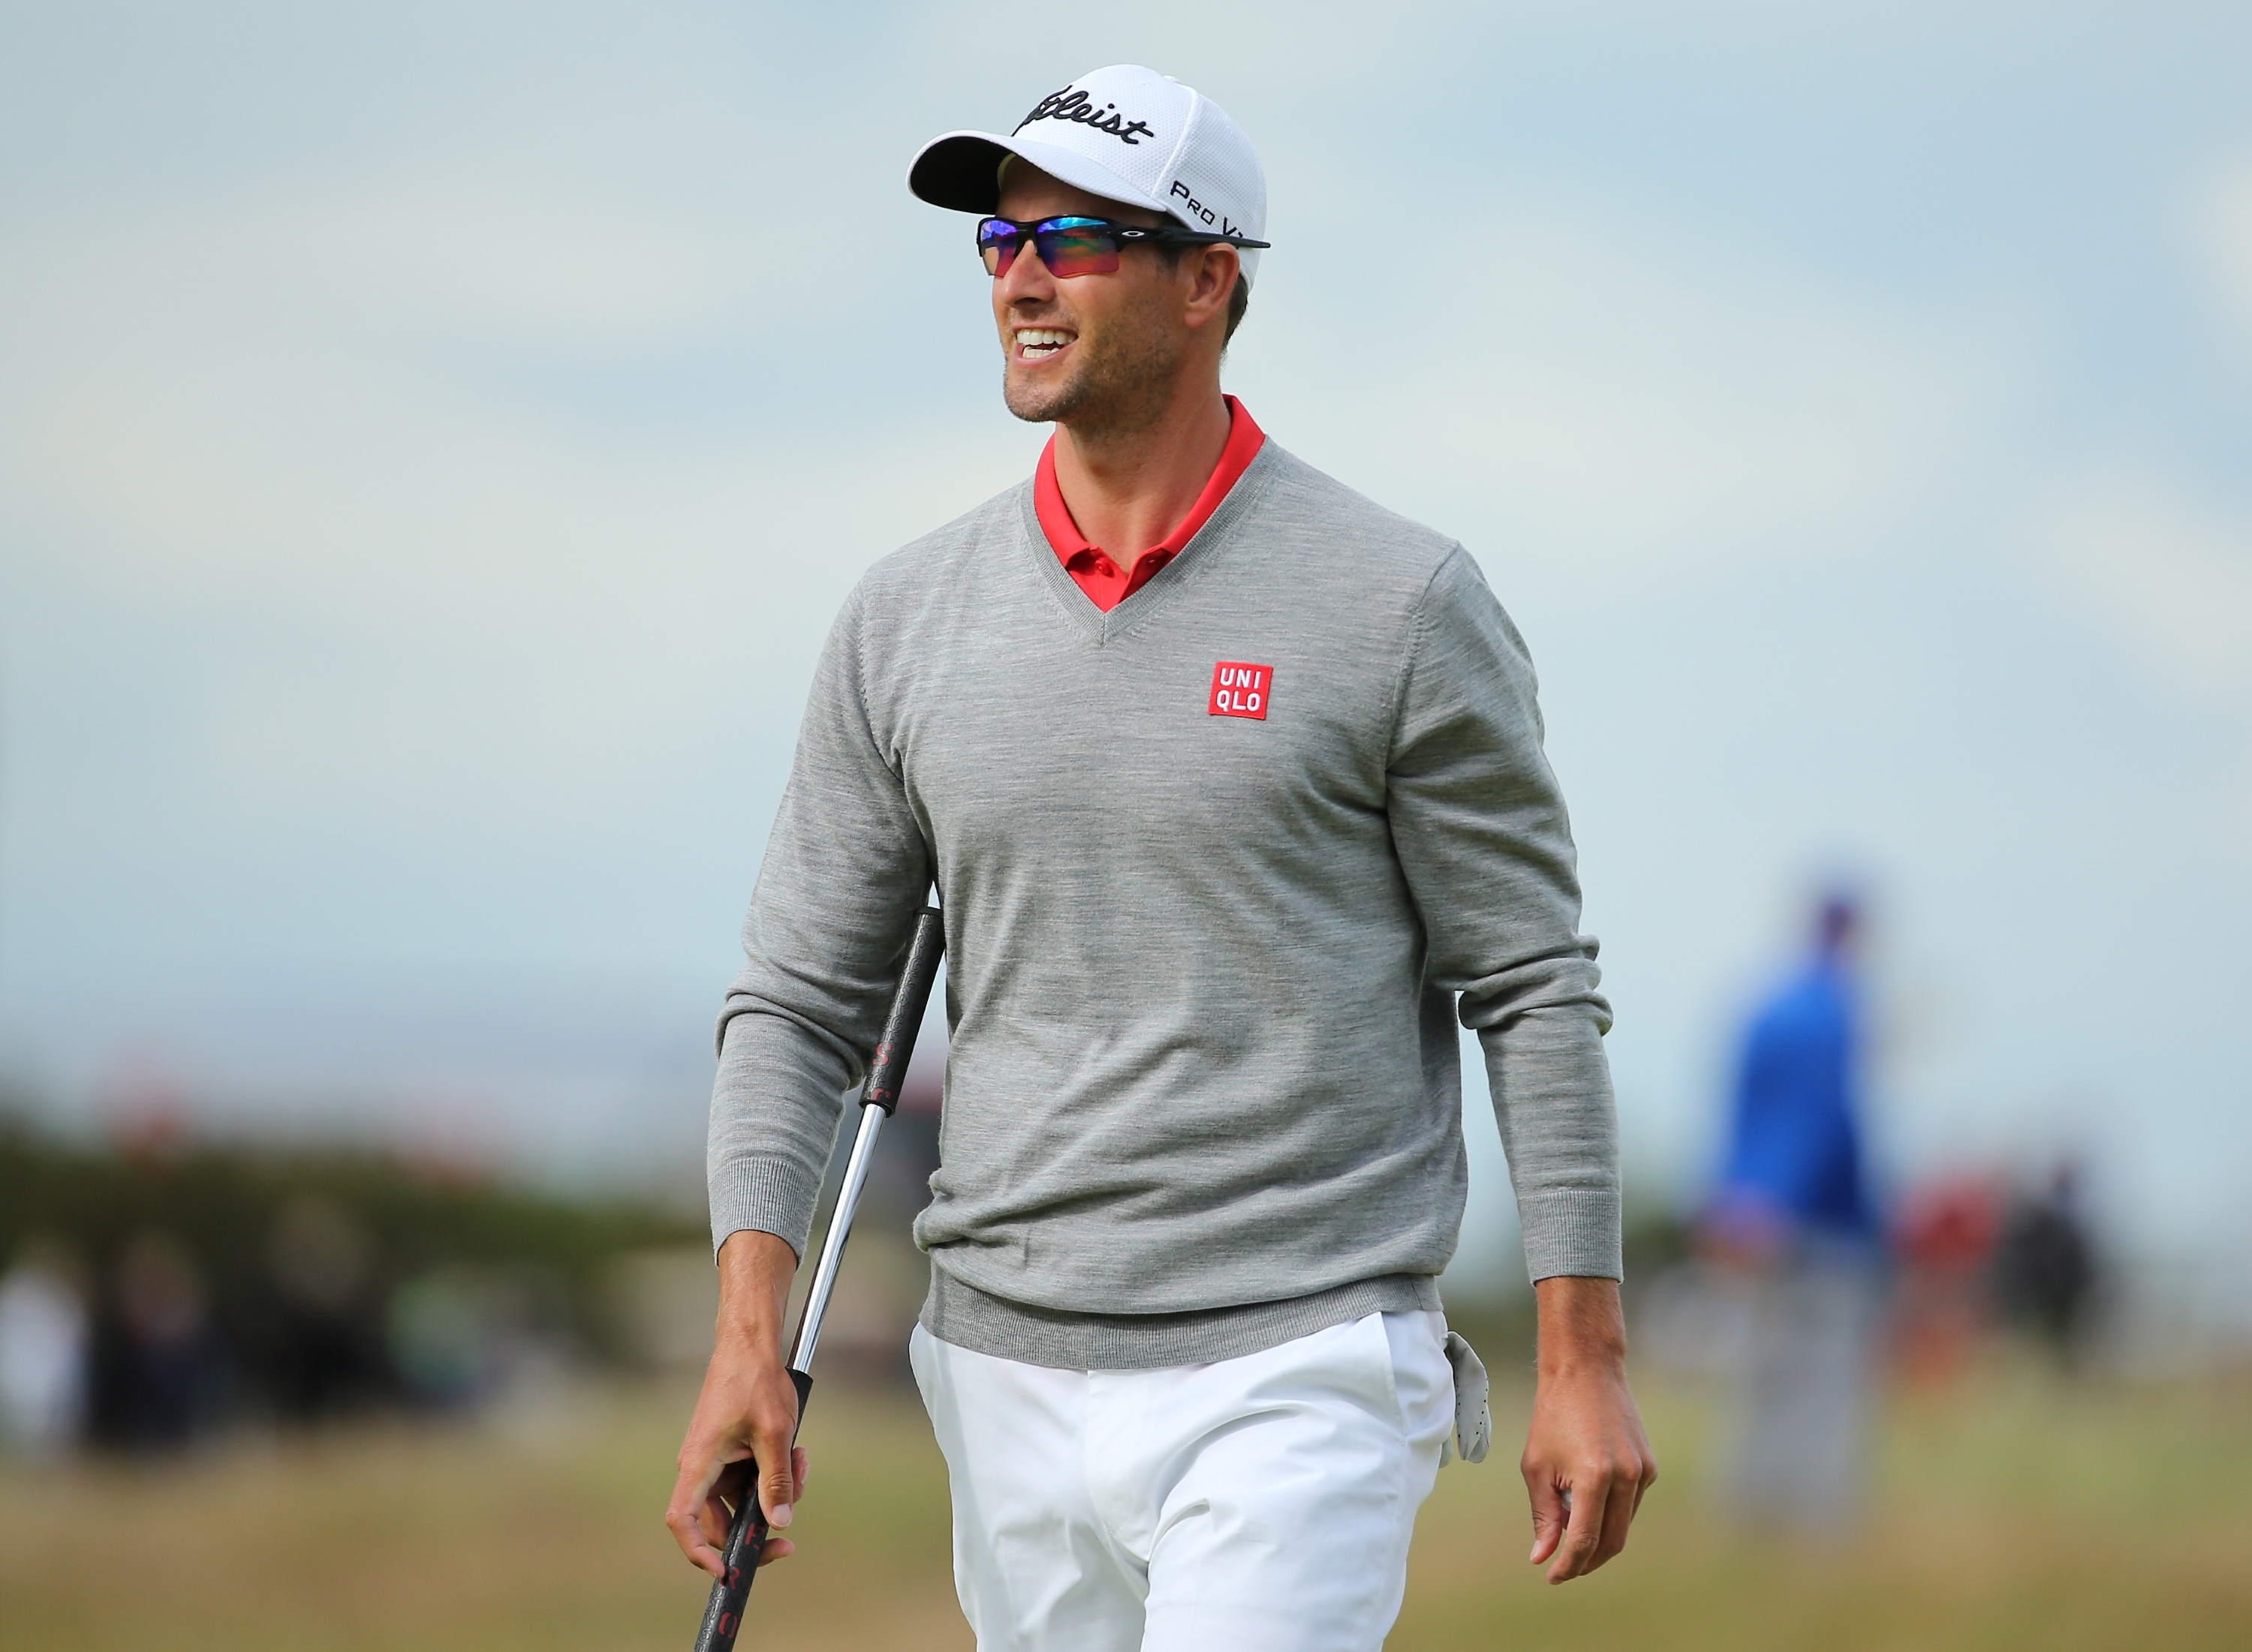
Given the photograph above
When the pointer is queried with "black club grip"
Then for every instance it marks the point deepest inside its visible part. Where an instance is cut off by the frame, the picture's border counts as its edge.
(746, 1539)
(888, 1069)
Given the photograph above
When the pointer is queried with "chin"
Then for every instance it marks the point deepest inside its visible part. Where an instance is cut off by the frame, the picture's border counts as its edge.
(1037, 403)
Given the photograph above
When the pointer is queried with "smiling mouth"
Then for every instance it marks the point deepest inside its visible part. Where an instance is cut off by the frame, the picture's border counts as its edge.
(1037, 344)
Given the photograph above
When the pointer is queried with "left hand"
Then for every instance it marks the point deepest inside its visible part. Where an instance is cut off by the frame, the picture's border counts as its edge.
(747, 1414)
(1587, 1461)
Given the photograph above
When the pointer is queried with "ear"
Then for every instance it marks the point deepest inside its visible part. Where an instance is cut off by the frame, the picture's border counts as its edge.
(1211, 272)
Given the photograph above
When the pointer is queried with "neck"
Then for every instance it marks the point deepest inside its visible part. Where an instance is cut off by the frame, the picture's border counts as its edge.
(1129, 482)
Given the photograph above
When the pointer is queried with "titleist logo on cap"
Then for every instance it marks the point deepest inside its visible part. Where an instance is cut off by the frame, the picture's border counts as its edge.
(1071, 104)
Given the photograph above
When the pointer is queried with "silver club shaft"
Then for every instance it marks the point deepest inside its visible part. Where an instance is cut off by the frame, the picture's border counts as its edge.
(832, 1243)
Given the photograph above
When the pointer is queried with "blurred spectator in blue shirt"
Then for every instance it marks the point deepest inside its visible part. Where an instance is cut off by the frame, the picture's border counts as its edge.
(1794, 1164)
(1794, 1237)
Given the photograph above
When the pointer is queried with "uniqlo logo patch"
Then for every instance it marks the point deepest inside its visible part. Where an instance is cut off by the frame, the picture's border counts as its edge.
(1241, 690)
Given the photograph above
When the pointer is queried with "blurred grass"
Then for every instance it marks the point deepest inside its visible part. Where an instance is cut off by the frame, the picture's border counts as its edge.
(2017, 1512)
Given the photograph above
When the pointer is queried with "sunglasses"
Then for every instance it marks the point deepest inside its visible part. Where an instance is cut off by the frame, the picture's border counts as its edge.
(1070, 246)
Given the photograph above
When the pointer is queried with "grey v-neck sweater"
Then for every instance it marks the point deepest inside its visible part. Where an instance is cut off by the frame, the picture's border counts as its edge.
(1219, 868)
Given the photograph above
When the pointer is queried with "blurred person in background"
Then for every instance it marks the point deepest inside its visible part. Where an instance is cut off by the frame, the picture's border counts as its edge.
(160, 1373)
(1792, 1222)
(329, 1355)
(44, 1339)
(1943, 1308)
(2046, 1266)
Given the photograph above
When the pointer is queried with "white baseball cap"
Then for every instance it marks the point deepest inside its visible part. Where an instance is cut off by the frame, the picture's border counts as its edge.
(1124, 132)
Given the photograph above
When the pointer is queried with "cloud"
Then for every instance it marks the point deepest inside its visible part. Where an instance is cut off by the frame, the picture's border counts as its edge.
(2223, 236)
(277, 417)
(2166, 566)
(275, 384)
(1645, 400)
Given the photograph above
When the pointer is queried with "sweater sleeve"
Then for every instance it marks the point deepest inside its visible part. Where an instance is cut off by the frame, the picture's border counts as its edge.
(846, 871)
(1482, 834)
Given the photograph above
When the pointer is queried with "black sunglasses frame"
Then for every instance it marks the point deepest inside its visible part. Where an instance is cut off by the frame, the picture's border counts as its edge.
(1124, 234)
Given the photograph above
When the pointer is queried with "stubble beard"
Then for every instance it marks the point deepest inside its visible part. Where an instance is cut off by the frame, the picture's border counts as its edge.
(1119, 378)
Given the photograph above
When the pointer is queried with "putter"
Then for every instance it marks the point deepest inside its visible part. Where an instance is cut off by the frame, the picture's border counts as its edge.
(746, 1534)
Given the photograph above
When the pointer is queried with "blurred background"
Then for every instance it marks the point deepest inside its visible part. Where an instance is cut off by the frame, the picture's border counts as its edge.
(434, 440)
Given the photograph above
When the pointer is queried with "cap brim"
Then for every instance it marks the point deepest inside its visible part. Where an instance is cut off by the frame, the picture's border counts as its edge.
(961, 171)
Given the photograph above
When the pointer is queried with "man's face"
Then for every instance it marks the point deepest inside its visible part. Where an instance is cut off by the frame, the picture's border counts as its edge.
(1098, 349)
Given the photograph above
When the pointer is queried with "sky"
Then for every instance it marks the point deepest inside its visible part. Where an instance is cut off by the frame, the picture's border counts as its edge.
(434, 440)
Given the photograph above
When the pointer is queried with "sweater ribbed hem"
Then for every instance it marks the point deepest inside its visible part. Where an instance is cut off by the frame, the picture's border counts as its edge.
(772, 1195)
(1571, 1231)
(985, 1323)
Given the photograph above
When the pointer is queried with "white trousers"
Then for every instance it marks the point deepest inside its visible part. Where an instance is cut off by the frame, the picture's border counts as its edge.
(1259, 1504)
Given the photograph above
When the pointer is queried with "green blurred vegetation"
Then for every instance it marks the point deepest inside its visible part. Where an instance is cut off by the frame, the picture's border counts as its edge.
(324, 1278)
(221, 1200)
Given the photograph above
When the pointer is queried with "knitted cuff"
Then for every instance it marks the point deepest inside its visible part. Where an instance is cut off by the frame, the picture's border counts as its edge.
(1572, 1230)
(771, 1194)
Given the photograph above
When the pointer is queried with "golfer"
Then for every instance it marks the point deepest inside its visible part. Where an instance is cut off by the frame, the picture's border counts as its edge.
(1231, 786)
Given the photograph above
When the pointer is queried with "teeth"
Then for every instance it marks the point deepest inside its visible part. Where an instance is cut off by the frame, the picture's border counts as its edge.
(1041, 341)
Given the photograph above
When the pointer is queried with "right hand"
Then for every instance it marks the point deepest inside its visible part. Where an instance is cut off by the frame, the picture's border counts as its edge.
(747, 1411)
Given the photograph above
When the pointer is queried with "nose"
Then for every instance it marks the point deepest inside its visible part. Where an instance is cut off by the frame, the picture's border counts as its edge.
(1026, 279)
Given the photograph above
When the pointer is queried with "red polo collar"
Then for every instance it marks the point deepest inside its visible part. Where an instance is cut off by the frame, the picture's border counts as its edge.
(1107, 584)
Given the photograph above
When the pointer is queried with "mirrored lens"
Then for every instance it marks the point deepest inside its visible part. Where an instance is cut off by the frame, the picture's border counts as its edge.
(997, 241)
(1076, 246)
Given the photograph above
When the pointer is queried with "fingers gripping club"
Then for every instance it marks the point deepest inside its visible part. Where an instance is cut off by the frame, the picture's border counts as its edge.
(746, 1534)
